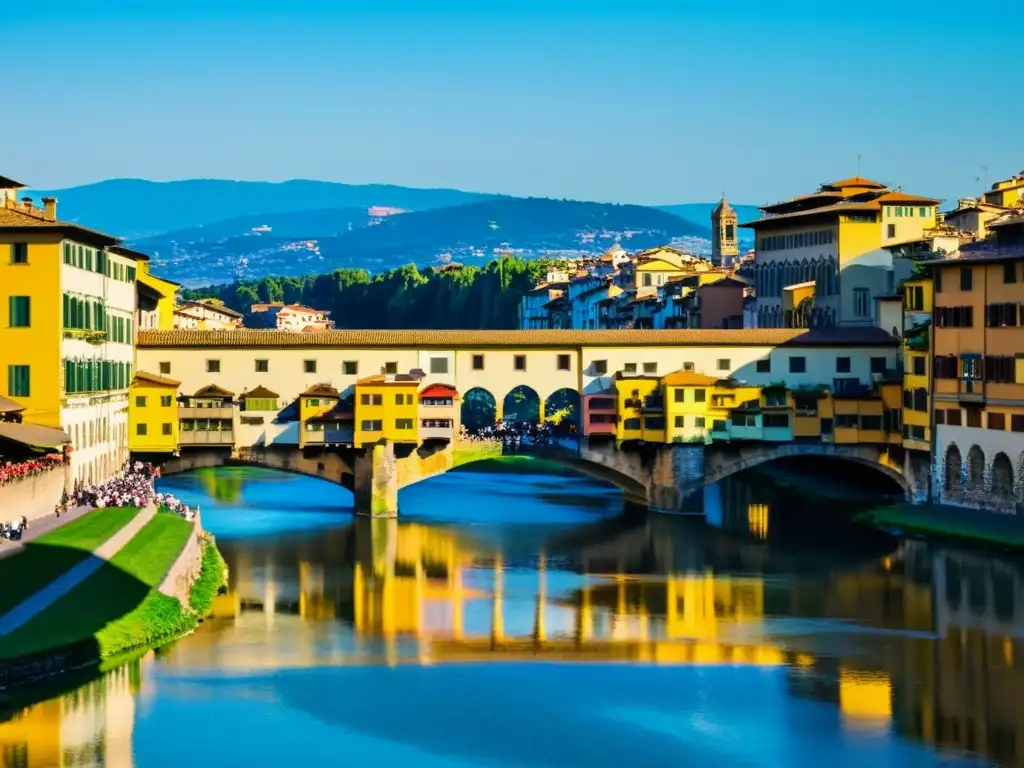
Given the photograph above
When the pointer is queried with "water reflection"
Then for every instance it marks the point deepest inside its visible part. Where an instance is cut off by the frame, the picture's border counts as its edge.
(908, 645)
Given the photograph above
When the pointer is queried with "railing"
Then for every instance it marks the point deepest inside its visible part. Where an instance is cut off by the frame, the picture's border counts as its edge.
(91, 336)
(225, 412)
(11, 473)
(207, 437)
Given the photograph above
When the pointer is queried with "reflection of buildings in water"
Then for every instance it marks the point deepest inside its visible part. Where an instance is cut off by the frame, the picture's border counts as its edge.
(89, 726)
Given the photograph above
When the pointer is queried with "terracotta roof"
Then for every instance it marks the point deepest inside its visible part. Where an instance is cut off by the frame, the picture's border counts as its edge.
(1008, 219)
(689, 379)
(152, 378)
(903, 197)
(320, 390)
(855, 181)
(212, 390)
(7, 183)
(440, 390)
(19, 219)
(128, 253)
(33, 435)
(729, 281)
(384, 379)
(261, 392)
(837, 208)
(249, 338)
(215, 307)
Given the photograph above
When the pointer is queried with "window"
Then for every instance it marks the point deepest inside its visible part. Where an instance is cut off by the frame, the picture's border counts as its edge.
(966, 278)
(648, 279)
(262, 366)
(918, 366)
(974, 417)
(20, 311)
(764, 366)
(371, 425)
(798, 365)
(140, 429)
(940, 416)
(650, 367)
(403, 423)
(1010, 272)
(165, 368)
(630, 424)
(213, 366)
(680, 422)
(439, 365)
(391, 368)
(519, 362)
(166, 401)
(350, 368)
(775, 420)
(954, 317)
(478, 362)
(629, 368)
(890, 231)
(871, 422)
(19, 253)
(724, 364)
(920, 401)
(364, 399)
(679, 396)
(953, 417)
(878, 365)
(165, 428)
(688, 366)
(1001, 315)
(861, 302)
(654, 422)
(600, 367)
(699, 422)
(400, 399)
(1017, 423)
(997, 421)
(842, 365)
(140, 402)
(563, 362)
(309, 366)
(18, 381)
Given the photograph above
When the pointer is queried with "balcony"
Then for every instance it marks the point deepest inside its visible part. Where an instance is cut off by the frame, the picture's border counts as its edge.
(207, 437)
(91, 336)
(331, 434)
(437, 433)
(970, 391)
(224, 412)
(654, 403)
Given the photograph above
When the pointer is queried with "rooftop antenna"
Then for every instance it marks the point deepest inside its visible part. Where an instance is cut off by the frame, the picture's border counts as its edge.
(858, 165)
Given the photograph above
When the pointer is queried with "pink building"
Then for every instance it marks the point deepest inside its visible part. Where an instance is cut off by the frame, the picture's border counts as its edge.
(599, 413)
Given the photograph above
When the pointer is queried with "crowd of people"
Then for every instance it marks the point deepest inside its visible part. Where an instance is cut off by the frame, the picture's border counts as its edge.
(133, 487)
(12, 471)
(516, 436)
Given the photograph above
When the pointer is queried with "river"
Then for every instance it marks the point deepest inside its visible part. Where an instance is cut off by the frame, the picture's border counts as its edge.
(515, 618)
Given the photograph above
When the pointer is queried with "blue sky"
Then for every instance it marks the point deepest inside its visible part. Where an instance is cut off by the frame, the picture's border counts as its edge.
(648, 102)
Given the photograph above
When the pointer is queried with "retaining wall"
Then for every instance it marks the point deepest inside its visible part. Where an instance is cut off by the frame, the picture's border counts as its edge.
(34, 497)
(185, 570)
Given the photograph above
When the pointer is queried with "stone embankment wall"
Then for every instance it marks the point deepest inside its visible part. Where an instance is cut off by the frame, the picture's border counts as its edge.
(34, 497)
(185, 570)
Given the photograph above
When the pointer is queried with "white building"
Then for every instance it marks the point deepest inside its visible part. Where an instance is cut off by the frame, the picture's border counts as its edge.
(207, 315)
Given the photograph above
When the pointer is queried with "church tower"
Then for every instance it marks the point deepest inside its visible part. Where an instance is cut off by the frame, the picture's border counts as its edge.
(724, 245)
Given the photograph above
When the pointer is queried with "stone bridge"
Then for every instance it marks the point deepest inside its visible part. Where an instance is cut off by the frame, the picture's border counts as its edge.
(661, 477)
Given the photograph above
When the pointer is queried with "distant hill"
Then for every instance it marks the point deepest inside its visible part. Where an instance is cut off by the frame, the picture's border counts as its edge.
(700, 213)
(135, 208)
(465, 233)
(323, 222)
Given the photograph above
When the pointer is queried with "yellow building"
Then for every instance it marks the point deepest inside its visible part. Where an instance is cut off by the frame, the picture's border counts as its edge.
(641, 408)
(656, 266)
(687, 406)
(917, 399)
(66, 338)
(313, 404)
(1007, 193)
(157, 298)
(811, 238)
(153, 414)
(386, 408)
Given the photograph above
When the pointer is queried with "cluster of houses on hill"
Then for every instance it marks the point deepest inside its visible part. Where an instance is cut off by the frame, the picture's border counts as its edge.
(827, 258)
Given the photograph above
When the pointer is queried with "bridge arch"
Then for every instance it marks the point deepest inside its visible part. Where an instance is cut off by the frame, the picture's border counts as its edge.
(479, 409)
(329, 467)
(725, 462)
(521, 404)
(563, 409)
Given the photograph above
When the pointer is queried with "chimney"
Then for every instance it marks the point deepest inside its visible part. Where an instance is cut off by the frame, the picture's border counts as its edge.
(27, 202)
(50, 208)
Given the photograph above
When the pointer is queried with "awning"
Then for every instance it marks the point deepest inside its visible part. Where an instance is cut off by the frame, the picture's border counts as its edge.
(9, 406)
(34, 435)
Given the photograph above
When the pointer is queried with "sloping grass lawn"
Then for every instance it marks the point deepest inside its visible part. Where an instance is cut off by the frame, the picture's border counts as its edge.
(982, 528)
(119, 605)
(44, 559)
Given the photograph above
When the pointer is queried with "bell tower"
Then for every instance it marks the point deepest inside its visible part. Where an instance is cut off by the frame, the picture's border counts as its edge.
(724, 245)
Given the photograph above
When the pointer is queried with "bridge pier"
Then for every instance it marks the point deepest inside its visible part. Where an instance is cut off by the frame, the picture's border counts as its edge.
(376, 481)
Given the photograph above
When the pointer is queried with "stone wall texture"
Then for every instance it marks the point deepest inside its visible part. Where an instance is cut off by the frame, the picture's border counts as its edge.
(33, 497)
(185, 570)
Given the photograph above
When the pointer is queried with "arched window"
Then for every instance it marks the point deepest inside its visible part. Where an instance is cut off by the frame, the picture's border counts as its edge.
(975, 470)
(952, 469)
(1002, 480)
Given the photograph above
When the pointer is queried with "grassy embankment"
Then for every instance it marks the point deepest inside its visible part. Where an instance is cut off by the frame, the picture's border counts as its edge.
(965, 526)
(119, 608)
(487, 457)
(44, 559)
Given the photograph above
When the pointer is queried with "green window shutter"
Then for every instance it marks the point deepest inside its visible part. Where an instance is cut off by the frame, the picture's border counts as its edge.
(65, 308)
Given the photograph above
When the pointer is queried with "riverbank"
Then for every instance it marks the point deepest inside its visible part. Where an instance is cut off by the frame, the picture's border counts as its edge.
(119, 609)
(967, 527)
(516, 464)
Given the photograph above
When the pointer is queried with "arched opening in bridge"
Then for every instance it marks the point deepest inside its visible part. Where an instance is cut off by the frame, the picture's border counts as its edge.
(1002, 479)
(952, 468)
(975, 470)
(522, 405)
(562, 411)
(479, 410)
